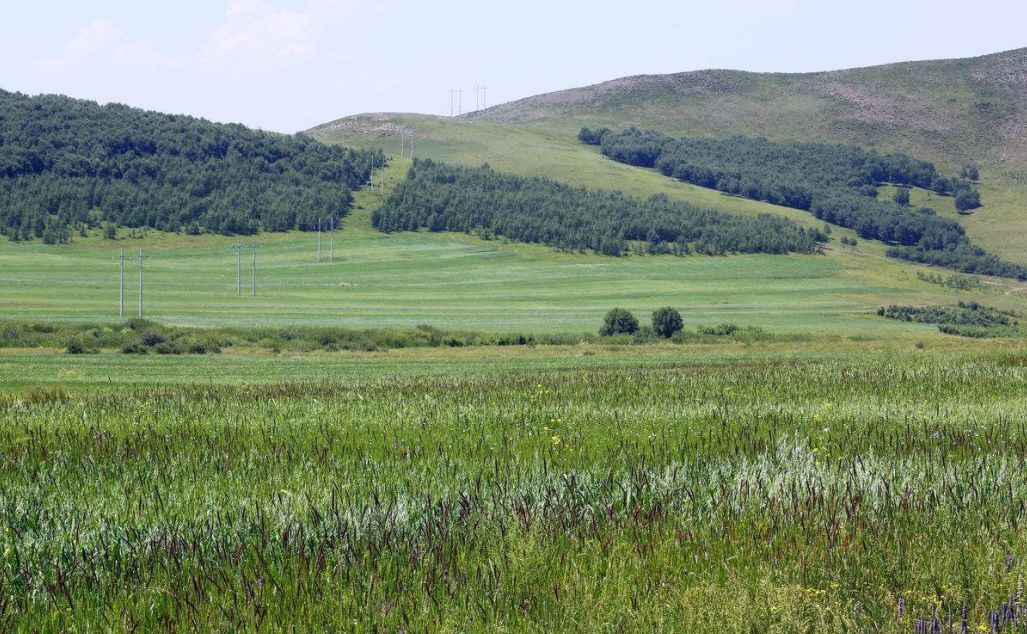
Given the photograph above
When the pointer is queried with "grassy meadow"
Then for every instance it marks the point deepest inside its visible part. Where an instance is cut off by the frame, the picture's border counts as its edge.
(777, 489)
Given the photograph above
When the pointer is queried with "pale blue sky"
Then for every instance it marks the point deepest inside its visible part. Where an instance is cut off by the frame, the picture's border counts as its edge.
(290, 64)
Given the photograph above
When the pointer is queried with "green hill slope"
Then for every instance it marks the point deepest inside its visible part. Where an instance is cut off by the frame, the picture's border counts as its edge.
(950, 111)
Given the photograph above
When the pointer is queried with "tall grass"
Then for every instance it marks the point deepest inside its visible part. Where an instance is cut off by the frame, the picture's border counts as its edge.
(751, 497)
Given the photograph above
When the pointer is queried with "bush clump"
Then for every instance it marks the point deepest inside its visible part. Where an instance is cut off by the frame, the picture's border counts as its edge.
(667, 321)
(77, 346)
(619, 321)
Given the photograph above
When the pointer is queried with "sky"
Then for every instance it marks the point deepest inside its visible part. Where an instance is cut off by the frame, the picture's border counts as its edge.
(287, 65)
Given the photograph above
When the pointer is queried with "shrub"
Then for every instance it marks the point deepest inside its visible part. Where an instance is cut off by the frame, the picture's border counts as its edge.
(967, 199)
(619, 322)
(202, 346)
(719, 329)
(667, 321)
(901, 196)
(645, 333)
(138, 323)
(76, 347)
(170, 347)
(152, 338)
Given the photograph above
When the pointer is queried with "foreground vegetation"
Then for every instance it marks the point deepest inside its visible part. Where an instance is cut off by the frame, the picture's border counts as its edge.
(751, 495)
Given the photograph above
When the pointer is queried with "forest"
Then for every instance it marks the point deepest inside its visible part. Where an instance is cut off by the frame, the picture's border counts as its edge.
(68, 163)
(836, 183)
(441, 197)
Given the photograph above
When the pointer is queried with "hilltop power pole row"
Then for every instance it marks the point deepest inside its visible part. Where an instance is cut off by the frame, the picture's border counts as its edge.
(406, 149)
(456, 99)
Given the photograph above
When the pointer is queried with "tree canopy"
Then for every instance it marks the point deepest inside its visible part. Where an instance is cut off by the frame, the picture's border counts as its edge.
(441, 197)
(66, 161)
(836, 183)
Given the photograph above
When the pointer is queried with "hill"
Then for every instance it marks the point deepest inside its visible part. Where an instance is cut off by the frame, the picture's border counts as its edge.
(950, 112)
(68, 162)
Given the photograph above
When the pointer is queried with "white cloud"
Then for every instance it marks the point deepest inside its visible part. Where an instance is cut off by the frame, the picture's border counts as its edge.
(256, 38)
(101, 44)
(92, 40)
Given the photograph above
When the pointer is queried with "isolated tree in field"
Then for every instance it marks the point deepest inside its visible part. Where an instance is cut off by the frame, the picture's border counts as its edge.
(667, 321)
(901, 196)
(619, 322)
(967, 199)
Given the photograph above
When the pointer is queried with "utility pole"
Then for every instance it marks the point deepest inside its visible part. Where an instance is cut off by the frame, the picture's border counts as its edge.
(411, 147)
(452, 97)
(121, 289)
(318, 240)
(460, 101)
(253, 282)
(476, 89)
(140, 283)
(331, 239)
(238, 267)
(402, 144)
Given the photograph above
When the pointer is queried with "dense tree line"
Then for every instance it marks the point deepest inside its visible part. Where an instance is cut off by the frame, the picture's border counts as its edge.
(441, 197)
(67, 162)
(836, 183)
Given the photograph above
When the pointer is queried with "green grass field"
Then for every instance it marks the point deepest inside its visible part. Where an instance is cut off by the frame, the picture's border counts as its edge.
(457, 281)
(772, 489)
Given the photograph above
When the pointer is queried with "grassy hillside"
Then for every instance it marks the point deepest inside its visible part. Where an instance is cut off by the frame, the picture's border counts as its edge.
(459, 281)
(949, 111)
